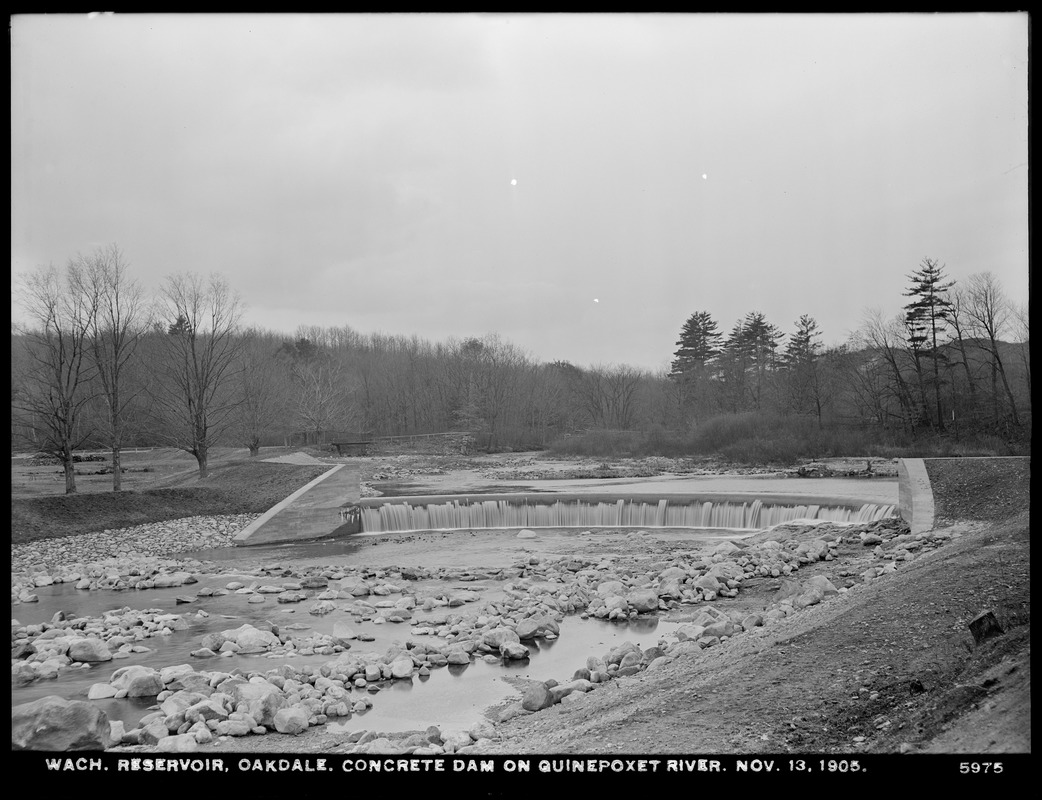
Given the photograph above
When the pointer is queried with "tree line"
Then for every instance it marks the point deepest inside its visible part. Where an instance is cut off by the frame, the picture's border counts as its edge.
(100, 363)
(954, 362)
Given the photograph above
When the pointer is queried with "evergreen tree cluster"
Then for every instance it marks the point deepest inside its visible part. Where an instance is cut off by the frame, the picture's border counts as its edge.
(940, 367)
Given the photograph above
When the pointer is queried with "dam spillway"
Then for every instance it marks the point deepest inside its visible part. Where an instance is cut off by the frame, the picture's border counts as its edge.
(403, 514)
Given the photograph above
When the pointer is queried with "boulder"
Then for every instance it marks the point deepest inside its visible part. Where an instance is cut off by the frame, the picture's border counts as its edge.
(672, 573)
(172, 579)
(101, 691)
(251, 639)
(179, 702)
(514, 651)
(180, 743)
(814, 550)
(206, 710)
(175, 673)
(789, 589)
(55, 724)
(752, 621)
(709, 583)
(497, 637)
(562, 690)
(540, 625)
(137, 681)
(670, 587)
(824, 584)
(537, 697)
(402, 667)
(291, 720)
(89, 651)
(457, 655)
(343, 633)
(263, 700)
(611, 588)
(213, 641)
(725, 571)
(643, 600)
(618, 653)
(719, 629)
(354, 586)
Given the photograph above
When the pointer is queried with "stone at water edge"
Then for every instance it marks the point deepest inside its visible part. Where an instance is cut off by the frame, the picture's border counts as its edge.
(251, 639)
(559, 692)
(292, 720)
(101, 691)
(55, 724)
(513, 651)
(456, 740)
(531, 627)
(137, 681)
(526, 534)
(497, 637)
(643, 600)
(537, 697)
(172, 580)
(402, 667)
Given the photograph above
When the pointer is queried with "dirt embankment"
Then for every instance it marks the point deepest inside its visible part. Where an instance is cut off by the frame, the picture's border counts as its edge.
(985, 489)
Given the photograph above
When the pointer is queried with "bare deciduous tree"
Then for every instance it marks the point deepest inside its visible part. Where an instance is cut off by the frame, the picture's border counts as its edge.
(62, 310)
(263, 387)
(321, 402)
(881, 374)
(990, 311)
(198, 359)
(123, 318)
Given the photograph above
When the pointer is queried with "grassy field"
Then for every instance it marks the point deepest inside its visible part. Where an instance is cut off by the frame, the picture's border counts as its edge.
(169, 489)
(152, 468)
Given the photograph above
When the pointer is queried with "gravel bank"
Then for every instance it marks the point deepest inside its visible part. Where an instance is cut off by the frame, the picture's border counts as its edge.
(154, 540)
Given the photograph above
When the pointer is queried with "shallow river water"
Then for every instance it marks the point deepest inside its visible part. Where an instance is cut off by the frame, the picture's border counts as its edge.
(452, 697)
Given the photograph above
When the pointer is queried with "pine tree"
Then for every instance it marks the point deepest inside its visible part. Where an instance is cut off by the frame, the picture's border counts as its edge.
(694, 360)
(760, 340)
(926, 317)
(698, 345)
(804, 345)
(180, 327)
(800, 361)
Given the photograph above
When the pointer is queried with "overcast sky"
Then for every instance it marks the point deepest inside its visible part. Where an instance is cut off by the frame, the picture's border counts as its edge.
(579, 185)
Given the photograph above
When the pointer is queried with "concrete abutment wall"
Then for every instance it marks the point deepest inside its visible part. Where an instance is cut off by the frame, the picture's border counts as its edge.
(914, 495)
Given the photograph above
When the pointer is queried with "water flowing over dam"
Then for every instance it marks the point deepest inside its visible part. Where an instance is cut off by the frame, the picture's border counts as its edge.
(384, 515)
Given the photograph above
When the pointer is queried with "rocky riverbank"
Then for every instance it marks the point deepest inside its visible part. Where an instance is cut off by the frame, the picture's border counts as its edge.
(199, 706)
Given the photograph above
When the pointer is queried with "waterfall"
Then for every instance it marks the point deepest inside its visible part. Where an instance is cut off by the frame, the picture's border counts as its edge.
(419, 514)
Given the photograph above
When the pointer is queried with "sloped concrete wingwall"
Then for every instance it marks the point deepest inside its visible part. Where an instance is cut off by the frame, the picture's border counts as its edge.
(914, 495)
(327, 504)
